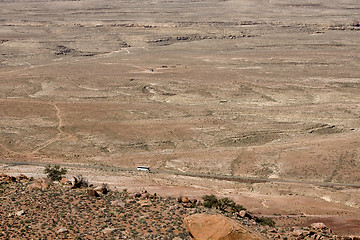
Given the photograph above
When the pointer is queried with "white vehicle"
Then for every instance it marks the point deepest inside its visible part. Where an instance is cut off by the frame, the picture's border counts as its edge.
(146, 169)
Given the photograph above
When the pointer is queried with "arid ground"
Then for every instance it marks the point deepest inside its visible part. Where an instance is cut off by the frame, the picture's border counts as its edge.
(259, 89)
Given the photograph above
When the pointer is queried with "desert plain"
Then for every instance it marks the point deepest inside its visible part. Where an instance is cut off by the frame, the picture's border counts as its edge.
(255, 100)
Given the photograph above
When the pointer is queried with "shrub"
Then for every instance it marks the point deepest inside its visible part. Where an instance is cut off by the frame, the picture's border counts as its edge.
(55, 173)
(210, 201)
(266, 221)
(223, 204)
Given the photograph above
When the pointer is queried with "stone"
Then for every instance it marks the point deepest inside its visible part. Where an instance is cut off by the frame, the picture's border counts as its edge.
(185, 199)
(176, 238)
(44, 185)
(32, 186)
(118, 203)
(298, 233)
(217, 227)
(64, 181)
(38, 185)
(242, 213)
(188, 205)
(318, 225)
(145, 203)
(108, 230)
(102, 189)
(92, 193)
(19, 213)
(62, 230)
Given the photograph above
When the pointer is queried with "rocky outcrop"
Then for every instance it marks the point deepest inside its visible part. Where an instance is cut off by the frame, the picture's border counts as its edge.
(216, 227)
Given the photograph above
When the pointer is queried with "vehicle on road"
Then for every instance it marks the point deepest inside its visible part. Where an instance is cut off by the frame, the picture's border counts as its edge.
(141, 168)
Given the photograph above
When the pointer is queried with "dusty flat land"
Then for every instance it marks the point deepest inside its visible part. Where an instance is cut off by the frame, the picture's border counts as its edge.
(266, 89)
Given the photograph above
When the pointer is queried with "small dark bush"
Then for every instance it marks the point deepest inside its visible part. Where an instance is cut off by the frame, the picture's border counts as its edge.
(265, 221)
(223, 204)
(55, 173)
(210, 201)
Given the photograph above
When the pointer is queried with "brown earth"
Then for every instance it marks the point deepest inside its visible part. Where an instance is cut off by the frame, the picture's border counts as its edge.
(264, 89)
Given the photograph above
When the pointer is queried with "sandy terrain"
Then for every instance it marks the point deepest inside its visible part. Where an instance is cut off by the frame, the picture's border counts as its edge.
(265, 89)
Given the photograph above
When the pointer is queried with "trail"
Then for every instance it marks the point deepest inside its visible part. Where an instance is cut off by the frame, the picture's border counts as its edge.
(59, 137)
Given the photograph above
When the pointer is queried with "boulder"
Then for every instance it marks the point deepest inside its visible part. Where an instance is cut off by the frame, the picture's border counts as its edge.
(318, 225)
(92, 193)
(185, 199)
(39, 184)
(217, 227)
(65, 181)
(102, 189)
(242, 213)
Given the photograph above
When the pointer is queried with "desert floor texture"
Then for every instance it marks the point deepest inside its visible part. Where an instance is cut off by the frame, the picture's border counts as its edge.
(255, 100)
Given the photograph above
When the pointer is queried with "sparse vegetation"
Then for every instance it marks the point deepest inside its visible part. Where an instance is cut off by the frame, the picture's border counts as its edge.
(266, 221)
(223, 204)
(55, 173)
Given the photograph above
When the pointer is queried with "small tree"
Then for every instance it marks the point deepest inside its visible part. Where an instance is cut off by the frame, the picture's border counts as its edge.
(223, 204)
(55, 173)
(210, 201)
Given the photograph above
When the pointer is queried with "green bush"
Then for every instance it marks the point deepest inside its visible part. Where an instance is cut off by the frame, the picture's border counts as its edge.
(210, 201)
(265, 221)
(223, 204)
(55, 173)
